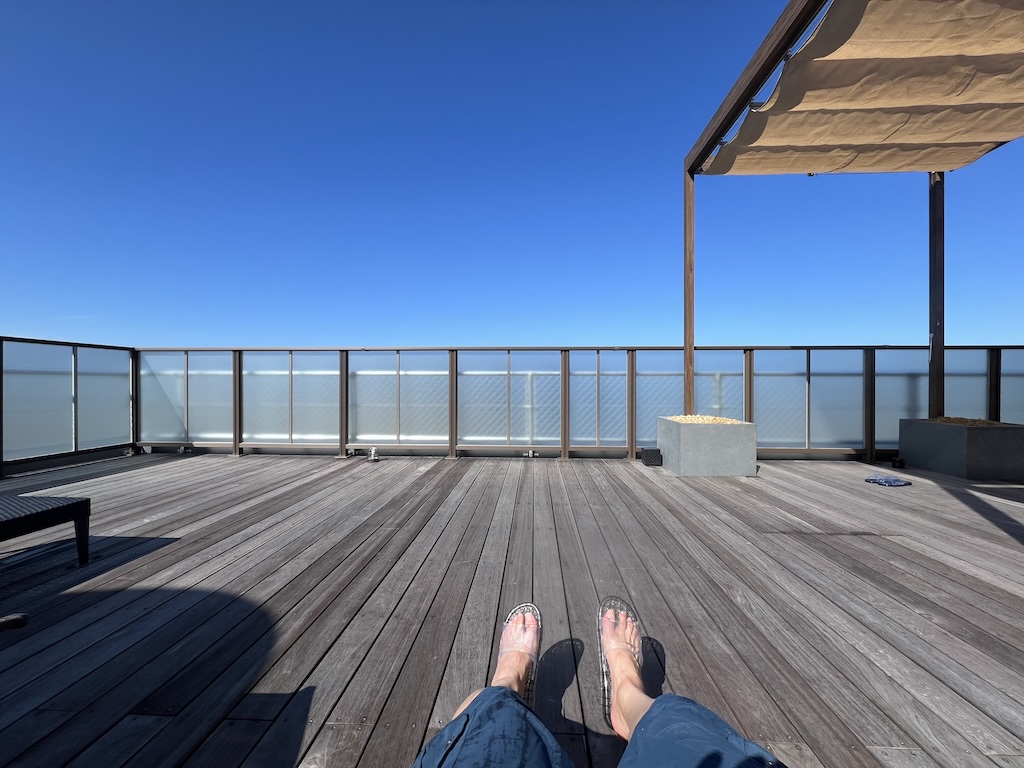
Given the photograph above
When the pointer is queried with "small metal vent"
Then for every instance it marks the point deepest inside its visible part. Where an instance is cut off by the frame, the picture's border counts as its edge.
(651, 457)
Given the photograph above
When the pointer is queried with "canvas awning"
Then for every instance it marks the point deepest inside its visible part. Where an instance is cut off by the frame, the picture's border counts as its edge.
(879, 86)
(889, 85)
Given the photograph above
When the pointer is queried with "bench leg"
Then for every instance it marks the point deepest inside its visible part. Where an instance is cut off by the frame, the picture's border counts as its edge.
(82, 539)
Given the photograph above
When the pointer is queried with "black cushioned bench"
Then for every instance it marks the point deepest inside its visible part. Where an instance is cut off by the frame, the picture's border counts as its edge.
(27, 514)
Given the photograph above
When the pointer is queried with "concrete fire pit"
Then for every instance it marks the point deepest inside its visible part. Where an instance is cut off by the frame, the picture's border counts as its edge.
(708, 446)
(970, 448)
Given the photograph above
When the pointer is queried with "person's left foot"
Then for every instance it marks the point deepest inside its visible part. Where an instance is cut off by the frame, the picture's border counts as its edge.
(518, 649)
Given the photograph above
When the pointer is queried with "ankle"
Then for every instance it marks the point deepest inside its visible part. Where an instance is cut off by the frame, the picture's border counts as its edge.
(512, 670)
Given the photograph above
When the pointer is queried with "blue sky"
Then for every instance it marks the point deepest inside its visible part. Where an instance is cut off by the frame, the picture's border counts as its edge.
(444, 174)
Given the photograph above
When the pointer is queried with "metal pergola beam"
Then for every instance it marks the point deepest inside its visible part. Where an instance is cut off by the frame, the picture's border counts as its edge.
(783, 36)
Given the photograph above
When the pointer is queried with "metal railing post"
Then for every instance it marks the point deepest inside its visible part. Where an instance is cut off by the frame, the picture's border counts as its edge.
(134, 396)
(869, 406)
(74, 398)
(995, 383)
(748, 385)
(342, 403)
(185, 404)
(236, 402)
(564, 399)
(807, 400)
(630, 403)
(453, 403)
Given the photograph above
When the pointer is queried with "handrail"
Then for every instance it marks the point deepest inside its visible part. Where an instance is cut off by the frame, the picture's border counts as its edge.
(565, 414)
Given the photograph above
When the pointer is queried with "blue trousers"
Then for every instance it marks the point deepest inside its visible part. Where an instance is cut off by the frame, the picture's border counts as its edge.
(498, 729)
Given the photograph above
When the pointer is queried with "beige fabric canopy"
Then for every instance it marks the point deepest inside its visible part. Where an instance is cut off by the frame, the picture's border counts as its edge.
(890, 85)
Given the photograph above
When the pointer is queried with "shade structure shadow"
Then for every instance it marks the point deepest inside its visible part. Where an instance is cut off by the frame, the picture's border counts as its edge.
(972, 493)
(142, 677)
(37, 573)
(556, 670)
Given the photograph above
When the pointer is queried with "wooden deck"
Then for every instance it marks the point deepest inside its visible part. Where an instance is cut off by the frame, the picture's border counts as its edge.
(281, 610)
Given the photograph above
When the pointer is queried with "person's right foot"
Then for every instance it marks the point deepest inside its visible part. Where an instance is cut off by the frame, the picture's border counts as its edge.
(621, 640)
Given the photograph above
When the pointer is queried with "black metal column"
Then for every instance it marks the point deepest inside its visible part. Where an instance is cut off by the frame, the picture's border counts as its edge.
(995, 384)
(869, 406)
(689, 399)
(936, 294)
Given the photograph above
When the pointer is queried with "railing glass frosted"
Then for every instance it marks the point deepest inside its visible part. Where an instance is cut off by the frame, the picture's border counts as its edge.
(780, 398)
(718, 383)
(162, 397)
(61, 398)
(1011, 386)
(210, 397)
(659, 391)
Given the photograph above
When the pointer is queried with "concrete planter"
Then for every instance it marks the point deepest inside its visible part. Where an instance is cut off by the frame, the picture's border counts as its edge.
(994, 452)
(710, 450)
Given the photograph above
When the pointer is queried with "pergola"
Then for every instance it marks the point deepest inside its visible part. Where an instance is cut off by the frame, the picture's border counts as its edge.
(870, 86)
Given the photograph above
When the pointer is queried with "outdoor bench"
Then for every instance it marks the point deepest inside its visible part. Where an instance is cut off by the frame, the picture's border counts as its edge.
(27, 514)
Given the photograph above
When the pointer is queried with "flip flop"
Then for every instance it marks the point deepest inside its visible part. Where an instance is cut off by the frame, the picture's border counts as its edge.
(618, 605)
(531, 677)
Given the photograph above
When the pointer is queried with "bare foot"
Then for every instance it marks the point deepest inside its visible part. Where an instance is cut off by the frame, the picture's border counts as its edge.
(517, 652)
(621, 646)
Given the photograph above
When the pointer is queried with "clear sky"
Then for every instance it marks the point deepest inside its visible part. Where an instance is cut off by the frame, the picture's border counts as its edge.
(444, 173)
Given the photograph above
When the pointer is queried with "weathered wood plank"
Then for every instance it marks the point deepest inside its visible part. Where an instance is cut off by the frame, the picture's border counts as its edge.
(470, 658)
(286, 608)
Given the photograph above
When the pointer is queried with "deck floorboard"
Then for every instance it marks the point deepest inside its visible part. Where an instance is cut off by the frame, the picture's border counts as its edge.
(273, 610)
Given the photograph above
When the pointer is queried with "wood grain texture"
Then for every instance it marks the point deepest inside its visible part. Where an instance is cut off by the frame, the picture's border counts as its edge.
(266, 610)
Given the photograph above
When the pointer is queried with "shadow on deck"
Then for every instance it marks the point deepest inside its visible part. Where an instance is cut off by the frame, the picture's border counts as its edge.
(286, 610)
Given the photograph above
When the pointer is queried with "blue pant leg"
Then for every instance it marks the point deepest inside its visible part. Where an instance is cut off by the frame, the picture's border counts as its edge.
(681, 733)
(497, 729)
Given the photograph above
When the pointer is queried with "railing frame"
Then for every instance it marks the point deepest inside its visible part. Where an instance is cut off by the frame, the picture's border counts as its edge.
(452, 448)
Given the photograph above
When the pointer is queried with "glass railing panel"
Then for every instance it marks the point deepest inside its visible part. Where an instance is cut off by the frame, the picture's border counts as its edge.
(483, 398)
(780, 398)
(583, 403)
(901, 392)
(104, 397)
(612, 398)
(38, 406)
(1011, 400)
(210, 397)
(162, 397)
(316, 393)
(423, 396)
(659, 391)
(718, 383)
(837, 398)
(265, 397)
(535, 398)
(373, 397)
(967, 383)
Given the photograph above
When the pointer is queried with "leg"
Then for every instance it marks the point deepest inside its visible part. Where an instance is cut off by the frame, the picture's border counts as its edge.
(517, 653)
(669, 730)
(681, 733)
(621, 640)
(494, 727)
(82, 538)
